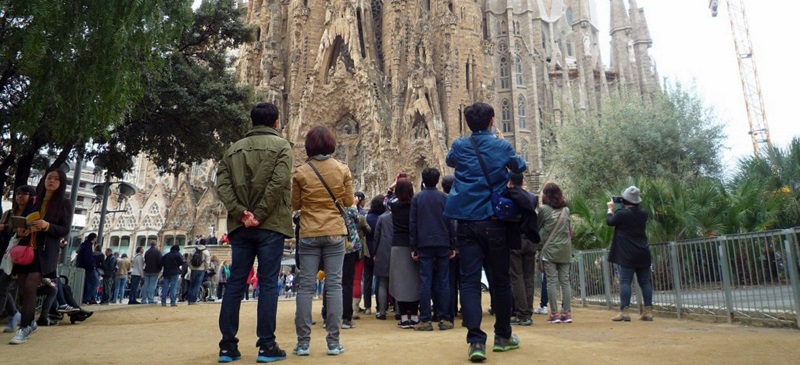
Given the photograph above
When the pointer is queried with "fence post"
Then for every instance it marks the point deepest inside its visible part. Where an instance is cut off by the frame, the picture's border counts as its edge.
(725, 267)
(582, 276)
(606, 277)
(676, 277)
(790, 245)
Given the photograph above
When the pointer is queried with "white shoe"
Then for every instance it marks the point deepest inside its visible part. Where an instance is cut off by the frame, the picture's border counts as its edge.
(21, 336)
(541, 310)
(368, 311)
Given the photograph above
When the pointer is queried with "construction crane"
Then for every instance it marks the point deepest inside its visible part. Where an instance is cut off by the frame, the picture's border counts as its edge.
(751, 86)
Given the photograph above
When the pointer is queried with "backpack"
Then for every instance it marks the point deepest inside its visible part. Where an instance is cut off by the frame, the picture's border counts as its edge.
(197, 258)
(352, 241)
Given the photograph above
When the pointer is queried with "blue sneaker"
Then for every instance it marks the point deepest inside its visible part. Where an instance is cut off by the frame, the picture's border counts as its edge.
(336, 349)
(270, 354)
(13, 321)
(226, 355)
(301, 350)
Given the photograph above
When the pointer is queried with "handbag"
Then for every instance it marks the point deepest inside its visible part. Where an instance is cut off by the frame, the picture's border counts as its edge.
(21, 255)
(504, 208)
(336, 202)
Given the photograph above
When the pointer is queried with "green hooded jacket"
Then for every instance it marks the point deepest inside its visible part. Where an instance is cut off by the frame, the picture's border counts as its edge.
(557, 249)
(255, 175)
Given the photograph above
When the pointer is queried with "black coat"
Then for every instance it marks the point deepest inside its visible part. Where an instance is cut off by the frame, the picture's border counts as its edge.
(528, 226)
(172, 262)
(152, 261)
(629, 247)
(85, 259)
(47, 242)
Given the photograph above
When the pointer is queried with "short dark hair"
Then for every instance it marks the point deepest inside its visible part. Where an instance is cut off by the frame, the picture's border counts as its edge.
(320, 141)
(404, 190)
(264, 114)
(140, 249)
(376, 205)
(91, 236)
(202, 242)
(478, 116)
(552, 196)
(447, 183)
(153, 243)
(516, 178)
(430, 177)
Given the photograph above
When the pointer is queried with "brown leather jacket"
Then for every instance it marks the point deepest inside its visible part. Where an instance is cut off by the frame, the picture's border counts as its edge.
(318, 214)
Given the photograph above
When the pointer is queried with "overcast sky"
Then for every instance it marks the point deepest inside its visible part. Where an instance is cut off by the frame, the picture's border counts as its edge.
(691, 46)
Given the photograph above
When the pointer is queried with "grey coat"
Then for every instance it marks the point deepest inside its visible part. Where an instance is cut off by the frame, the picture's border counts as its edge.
(384, 230)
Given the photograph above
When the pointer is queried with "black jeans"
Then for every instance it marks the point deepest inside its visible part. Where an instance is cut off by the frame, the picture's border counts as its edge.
(484, 242)
(369, 269)
(348, 274)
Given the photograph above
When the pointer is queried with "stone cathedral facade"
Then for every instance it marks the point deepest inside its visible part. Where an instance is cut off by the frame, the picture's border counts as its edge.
(392, 77)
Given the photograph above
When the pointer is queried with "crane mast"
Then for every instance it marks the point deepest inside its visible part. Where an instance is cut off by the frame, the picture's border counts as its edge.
(751, 86)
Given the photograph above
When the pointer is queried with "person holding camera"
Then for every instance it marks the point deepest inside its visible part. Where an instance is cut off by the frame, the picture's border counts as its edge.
(629, 250)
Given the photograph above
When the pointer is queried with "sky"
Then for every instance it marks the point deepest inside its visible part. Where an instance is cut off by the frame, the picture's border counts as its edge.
(691, 46)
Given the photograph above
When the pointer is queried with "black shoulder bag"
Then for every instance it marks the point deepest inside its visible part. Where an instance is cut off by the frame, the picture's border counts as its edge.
(504, 208)
(336, 202)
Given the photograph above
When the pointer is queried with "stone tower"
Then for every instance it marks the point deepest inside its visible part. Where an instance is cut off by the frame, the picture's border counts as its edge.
(392, 77)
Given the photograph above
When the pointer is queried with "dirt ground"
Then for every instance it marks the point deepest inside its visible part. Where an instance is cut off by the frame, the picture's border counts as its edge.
(121, 334)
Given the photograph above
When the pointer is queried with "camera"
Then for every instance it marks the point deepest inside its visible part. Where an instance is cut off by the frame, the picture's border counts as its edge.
(618, 202)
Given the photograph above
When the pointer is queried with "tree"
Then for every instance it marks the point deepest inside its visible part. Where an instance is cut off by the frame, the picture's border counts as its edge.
(193, 107)
(675, 136)
(70, 70)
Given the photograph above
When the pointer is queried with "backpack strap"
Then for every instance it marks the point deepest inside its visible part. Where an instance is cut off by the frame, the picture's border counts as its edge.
(333, 197)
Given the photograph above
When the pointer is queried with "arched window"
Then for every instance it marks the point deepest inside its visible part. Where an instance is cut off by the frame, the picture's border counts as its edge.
(520, 76)
(505, 81)
(154, 209)
(521, 111)
(523, 151)
(569, 17)
(506, 114)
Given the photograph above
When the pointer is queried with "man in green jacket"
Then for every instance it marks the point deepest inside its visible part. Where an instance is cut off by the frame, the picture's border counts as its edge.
(254, 183)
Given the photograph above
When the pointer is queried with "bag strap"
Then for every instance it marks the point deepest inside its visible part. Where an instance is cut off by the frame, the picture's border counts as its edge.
(333, 197)
(480, 161)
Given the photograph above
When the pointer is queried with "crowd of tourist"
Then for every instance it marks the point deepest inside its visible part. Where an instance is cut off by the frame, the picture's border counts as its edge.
(421, 253)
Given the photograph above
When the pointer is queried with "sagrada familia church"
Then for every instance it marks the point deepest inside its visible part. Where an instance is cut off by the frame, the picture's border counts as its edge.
(392, 78)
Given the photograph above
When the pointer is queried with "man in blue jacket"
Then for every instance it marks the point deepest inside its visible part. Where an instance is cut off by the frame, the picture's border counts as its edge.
(481, 237)
(85, 260)
(432, 239)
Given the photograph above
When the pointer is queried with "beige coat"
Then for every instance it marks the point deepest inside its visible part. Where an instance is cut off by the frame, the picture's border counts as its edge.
(318, 214)
(123, 266)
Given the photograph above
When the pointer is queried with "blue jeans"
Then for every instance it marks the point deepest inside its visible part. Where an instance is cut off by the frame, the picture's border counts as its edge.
(479, 243)
(149, 292)
(90, 286)
(195, 282)
(247, 244)
(119, 291)
(169, 287)
(434, 271)
(134, 294)
(625, 279)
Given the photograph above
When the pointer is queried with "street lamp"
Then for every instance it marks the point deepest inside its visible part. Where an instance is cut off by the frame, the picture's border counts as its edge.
(124, 191)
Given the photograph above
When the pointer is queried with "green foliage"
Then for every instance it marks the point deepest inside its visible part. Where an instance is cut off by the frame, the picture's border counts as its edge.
(764, 194)
(674, 137)
(193, 107)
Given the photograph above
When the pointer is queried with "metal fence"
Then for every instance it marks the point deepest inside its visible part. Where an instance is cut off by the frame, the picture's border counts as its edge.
(76, 277)
(747, 278)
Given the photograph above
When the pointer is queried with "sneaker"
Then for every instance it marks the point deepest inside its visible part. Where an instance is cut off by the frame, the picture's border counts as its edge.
(423, 326)
(356, 316)
(348, 324)
(381, 316)
(554, 319)
(541, 310)
(45, 322)
(336, 349)
(405, 324)
(68, 309)
(515, 321)
(226, 355)
(445, 325)
(477, 352)
(301, 350)
(22, 335)
(270, 354)
(368, 311)
(505, 344)
(566, 317)
(13, 321)
(524, 321)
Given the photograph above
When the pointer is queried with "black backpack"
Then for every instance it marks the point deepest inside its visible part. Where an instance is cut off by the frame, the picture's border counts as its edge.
(197, 258)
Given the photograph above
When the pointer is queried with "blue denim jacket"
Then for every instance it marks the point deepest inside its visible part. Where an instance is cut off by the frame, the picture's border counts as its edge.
(470, 198)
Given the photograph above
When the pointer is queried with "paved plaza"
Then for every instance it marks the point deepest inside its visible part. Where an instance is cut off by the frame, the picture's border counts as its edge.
(121, 334)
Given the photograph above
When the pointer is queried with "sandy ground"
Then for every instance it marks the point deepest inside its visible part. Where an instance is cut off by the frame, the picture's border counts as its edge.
(121, 334)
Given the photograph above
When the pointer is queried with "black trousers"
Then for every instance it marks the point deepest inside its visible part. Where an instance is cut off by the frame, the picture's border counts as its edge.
(348, 274)
(369, 269)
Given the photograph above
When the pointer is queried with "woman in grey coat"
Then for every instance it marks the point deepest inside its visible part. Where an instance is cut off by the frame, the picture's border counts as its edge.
(382, 257)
